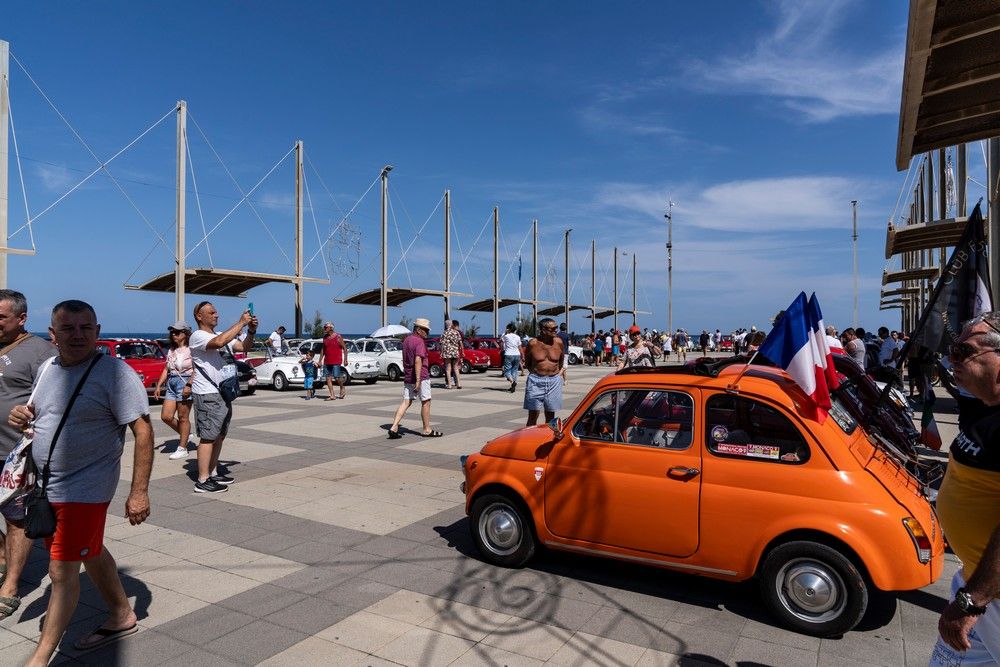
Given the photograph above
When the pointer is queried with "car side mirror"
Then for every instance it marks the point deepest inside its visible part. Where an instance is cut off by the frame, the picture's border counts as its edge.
(557, 428)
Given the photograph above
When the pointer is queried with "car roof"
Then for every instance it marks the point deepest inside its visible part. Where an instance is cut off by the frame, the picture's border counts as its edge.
(127, 340)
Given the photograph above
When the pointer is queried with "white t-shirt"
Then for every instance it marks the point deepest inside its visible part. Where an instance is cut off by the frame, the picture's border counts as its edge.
(607, 342)
(511, 344)
(217, 364)
(275, 341)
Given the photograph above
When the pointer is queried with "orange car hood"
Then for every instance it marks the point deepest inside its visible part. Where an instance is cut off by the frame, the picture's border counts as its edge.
(526, 444)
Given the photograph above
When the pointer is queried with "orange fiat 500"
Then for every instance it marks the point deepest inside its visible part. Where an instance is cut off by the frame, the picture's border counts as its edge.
(684, 469)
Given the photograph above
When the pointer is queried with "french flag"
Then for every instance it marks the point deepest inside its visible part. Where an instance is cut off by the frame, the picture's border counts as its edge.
(797, 343)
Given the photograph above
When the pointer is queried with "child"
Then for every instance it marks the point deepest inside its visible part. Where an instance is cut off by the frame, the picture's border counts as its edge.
(308, 373)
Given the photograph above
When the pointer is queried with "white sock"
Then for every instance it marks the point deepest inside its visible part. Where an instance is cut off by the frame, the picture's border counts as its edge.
(213, 473)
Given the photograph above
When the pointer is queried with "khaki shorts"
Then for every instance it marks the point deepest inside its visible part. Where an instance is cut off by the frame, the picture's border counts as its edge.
(417, 392)
(212, 416)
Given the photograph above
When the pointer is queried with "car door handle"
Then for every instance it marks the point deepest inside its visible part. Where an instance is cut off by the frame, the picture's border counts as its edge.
(681, 471)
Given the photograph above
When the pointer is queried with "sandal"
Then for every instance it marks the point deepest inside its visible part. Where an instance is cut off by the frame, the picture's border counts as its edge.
(8, 605)
(432, 434)
(102, 636)
(394, 435)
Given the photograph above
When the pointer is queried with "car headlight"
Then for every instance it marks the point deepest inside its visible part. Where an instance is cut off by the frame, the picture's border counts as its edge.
(357, 365)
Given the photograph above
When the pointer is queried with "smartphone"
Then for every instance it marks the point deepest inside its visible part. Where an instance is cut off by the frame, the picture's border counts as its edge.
(250, 308)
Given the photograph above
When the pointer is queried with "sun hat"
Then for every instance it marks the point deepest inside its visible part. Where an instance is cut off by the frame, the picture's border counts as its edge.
(423, 323)
(179, 325)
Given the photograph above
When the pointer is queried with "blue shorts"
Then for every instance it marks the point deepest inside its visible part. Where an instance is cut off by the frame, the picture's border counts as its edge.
(175, 389)
(334, 370)
(614, 351)
(307, 382)
(541, 392)
(511, 365)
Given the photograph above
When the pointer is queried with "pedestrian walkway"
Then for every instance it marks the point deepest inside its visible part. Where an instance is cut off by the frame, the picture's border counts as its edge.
(337, 546)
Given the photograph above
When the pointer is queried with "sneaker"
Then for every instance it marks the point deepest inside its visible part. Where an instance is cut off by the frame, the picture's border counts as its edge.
(224, 480)
(209, 486)
(513, 386)
(180, 453)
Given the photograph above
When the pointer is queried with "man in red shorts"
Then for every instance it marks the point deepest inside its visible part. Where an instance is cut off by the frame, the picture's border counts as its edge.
(85, 467)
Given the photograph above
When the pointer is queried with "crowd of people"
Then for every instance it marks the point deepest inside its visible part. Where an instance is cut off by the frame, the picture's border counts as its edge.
(82, 442)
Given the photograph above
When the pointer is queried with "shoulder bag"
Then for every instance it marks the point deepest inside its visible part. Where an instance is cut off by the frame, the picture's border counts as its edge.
(229, 389)
(18, 474)
(39, 519)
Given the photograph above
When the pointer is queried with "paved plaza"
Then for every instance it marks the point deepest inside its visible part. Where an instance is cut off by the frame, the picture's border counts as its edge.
(337, 546)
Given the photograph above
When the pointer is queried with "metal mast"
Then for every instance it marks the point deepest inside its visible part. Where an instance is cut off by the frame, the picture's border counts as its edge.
(534, 274)
(993, 234)
(447, 255)
(384, 296)
(496, 271)
(4, 155)
(614, 306)
(180, 248)
(593, 286)
(854, 240)
(566, 278)
(670, 265)
(299, 206)
(634, 306)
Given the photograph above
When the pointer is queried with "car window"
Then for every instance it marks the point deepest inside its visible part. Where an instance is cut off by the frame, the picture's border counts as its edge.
(743, 428)
(432, 345)
(373, 346)
(392, 345)
(104, 349)
(643, 417)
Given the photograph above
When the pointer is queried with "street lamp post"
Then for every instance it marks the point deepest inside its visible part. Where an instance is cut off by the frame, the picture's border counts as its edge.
(670, 264)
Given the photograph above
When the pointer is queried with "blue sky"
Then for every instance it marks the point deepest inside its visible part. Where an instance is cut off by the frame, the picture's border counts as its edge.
(761, 120)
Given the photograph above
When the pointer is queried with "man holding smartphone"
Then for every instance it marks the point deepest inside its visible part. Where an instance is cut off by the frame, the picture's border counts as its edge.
(213, 361)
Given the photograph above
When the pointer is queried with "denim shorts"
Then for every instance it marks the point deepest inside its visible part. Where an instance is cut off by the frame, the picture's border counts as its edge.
(334, 370)
(511, 365)
(542, 391)
(175, 388)
(307, 382)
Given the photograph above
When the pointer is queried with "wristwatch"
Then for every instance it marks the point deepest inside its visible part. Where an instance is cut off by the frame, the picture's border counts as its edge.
(964, 602)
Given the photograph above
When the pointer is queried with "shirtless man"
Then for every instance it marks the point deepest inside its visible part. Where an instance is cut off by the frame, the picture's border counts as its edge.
(544, 360)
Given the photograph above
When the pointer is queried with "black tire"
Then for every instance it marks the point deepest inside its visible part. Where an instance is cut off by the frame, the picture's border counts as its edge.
(371, 380)
(482, 369)
(394, 373)
(435, 370)
(466, 367)
(813, 589)
(573, 360)
(279, 381)
(502, 530)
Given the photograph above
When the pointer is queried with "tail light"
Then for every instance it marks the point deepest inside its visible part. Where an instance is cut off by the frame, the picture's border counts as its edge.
(921, 542)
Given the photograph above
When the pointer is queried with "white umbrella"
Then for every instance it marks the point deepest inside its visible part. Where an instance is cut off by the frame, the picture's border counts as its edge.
(389, 331)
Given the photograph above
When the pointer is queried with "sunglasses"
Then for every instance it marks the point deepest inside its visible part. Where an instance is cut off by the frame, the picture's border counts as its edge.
(960, 352)
(177, 333)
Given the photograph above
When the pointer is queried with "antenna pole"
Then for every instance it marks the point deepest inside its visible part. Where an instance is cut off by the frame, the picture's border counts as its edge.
(615, 299)
(181, 249)
(635, 308)
(593, 286)
(854, 241)
(534, 275)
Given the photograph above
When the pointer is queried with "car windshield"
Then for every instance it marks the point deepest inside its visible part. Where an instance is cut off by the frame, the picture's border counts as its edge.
(139, 350)
(392, 344)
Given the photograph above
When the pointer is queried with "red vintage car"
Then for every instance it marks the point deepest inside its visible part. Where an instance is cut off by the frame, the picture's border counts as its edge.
(493, 347)
(145, 356)
(471, 359)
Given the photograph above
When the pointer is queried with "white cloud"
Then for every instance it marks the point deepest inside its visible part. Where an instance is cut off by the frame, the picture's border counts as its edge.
(56, 178)
(755, 205)
(801, 61)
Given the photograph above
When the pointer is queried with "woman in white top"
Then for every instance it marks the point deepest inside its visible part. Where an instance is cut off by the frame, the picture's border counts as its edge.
(513, 359)
(176, 411)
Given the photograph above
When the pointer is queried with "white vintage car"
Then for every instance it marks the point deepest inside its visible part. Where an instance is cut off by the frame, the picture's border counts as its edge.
(388, 352)
(360, 366)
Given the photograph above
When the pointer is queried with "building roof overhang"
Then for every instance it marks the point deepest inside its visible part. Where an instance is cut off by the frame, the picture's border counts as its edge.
(218, 282)
(951, 76)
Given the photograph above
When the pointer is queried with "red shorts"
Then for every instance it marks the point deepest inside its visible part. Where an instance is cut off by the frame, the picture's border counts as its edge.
(79, 531)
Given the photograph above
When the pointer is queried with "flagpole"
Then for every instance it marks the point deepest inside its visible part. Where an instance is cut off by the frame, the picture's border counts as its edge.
(734, 385)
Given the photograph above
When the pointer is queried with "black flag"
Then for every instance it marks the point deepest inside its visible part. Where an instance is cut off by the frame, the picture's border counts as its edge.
(962, 291)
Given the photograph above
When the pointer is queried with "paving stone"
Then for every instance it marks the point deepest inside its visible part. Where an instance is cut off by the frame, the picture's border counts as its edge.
(263, 600)
(529, 638)
(624, 626)
(254, 643)
(202, 626)
(145, 648)
(387, 546)
(686, 639)
(271, 543)
(749, 650)
(309, 615)
(316, 651)
(584, 648)
(199, 657)
(311, 553)
(365, 632)
(422, 646)
(482, 654)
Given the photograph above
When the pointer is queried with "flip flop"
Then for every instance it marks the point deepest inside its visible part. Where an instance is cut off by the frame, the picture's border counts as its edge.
(394, 435)
(102, 636)
(432, 434)
(8, 605)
